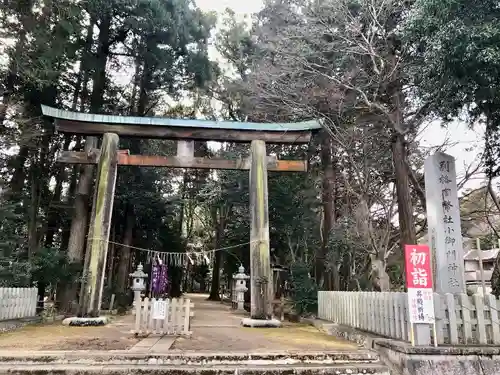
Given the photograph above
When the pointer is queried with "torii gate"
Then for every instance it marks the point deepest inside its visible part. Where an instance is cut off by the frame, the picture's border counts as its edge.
(186, 132)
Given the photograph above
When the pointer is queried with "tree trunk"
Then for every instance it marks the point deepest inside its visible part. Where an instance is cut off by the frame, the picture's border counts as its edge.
(82, 200)
(27, 23)
(40, 287)
(328, 203)
(99, 76)
(215, 286)
(85, 64)
(495, 278)
(76, 245)
(53, 221)
(70, 201)
(33, 214)
(218, 220)
(111, 258)
(175, 285)
(81, 90)
(405, 207)
(188, 274)
(19, 174)
(122, 278)
(380, 278)
(80, 219)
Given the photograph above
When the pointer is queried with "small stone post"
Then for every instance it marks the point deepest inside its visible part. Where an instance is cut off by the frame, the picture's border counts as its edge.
(138, 284)
(240, 287)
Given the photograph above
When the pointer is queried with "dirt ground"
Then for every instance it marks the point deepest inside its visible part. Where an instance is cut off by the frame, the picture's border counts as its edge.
(293, 337)
(55, 336)
(216, 328)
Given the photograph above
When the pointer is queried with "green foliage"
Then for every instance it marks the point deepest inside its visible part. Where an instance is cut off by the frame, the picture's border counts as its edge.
(489, 241)
(348, 252)
(122, 302)
(456, 52)
(200, 273)
(14, 269)
(14, 273)
(304, 291)
(51, 266)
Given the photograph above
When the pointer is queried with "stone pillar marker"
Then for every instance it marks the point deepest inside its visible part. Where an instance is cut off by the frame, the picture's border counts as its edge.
(443, 220)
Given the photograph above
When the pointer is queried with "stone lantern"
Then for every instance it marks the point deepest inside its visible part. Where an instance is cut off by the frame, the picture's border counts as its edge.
(240, 287)
(138, 279)
(138, 283)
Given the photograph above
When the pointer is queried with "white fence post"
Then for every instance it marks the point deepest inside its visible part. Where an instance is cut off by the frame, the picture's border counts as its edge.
(177, 319)
(495, 324)
(460, 319)
(17, 303)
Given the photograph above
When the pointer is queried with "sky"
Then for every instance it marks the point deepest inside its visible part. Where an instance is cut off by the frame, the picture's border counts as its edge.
(238, 6)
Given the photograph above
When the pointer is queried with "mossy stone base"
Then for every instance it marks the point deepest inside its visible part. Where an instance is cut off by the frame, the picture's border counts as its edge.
(85, 322)
(260, 323)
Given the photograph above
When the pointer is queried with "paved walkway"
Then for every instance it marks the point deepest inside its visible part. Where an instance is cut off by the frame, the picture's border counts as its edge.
(156, 344)
(216, 327)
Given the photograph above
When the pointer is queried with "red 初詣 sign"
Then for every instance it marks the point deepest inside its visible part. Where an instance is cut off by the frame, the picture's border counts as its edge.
(418, 266)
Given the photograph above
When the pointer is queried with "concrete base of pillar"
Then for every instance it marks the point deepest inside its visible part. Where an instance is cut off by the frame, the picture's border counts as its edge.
(257, 323)
(85, 322)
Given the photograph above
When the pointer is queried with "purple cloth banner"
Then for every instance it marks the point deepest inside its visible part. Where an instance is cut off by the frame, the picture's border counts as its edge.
(159, 279)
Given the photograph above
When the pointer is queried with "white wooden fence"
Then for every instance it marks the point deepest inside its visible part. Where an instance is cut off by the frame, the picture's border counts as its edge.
(460, 319)
(177, 320)
(17, 303)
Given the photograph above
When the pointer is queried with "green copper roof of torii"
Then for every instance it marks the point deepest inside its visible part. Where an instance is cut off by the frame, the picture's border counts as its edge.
(169, 122)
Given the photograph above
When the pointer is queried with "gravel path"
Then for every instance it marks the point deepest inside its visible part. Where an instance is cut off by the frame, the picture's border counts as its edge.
(216, 328)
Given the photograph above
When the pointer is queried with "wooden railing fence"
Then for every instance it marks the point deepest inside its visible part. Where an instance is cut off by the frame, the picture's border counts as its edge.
(177, 320)
(17, 303)
(460, 319)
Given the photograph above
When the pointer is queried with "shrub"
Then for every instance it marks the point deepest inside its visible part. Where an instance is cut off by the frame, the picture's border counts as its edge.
(303, 288)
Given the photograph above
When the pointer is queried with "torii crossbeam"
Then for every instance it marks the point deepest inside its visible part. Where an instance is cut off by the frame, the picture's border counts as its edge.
(108, 157)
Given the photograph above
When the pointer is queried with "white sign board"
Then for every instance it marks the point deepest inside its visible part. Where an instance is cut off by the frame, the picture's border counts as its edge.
(421, 306)
(159, 309)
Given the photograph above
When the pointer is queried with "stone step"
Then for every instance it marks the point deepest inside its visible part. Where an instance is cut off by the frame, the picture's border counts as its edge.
(139, 369)
(189, 358)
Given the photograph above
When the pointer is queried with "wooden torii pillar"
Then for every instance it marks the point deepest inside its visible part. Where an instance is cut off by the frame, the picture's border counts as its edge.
(100, 224)
(261, 280)
(109, 157)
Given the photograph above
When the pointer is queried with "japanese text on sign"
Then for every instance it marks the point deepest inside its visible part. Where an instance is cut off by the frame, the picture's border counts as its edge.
(421, 306)
(159, 309)
(419, 284)
(418, 266)
(450, 240)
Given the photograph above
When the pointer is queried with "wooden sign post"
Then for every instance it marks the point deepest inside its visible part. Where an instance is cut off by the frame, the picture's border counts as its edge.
(420, 294)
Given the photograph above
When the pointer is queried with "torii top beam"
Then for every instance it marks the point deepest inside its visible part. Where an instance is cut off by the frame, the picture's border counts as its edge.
(167, 128)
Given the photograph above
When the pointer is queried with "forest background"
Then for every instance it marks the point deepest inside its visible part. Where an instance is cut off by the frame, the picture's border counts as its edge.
(383, 76)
